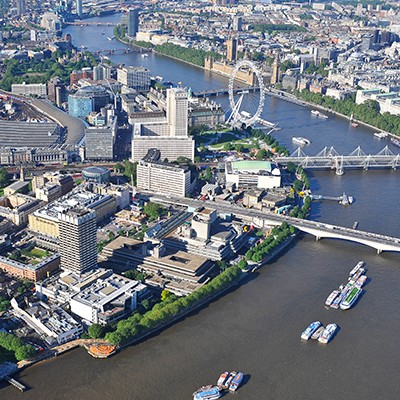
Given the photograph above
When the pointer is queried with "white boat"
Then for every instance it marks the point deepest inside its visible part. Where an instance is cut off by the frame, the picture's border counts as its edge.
(357, 267)
(306, 334)
(144, 55)
(350, 298)
(231, 375)
(380, 135)
(315, 113)
(236, 381)
(322, 116)
(222, 379)
(328, 333)
(354, 277)
(300, 140)
(207, 393)
(361, 281)
(332, 297)
(317, 333)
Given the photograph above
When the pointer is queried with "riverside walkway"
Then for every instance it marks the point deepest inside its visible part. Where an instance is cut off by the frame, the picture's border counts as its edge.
(316, 228)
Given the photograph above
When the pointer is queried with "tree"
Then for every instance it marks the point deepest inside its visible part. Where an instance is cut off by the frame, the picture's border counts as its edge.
(242, 264)
(24, 352)
(4, 178)
(165, 294)
(153, 210)
(96, 331)
(131, 170)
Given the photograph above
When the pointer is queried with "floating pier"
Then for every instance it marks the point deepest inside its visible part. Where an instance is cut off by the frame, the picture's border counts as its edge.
(344, 199)
(15, 383)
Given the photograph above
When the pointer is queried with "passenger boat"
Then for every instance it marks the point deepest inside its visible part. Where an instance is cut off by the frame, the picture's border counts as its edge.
(310, 330)
(231, 375)
(236, 381)
(207, 393)
(350, 298)
(328, 333)
(317, 333)
(332, 297)
(361, 281)
(222, 379)
(357, 267)
(360, 272)
(336, 303)
(380, 135)
(300, 140)
(395, 141)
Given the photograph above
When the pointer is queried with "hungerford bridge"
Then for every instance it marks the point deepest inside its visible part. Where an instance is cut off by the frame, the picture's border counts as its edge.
(329, 158)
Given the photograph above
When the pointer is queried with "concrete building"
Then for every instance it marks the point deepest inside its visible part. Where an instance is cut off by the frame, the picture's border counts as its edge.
(51, 322)
(78, 239)
(78, 5)
(29, 89)
(45, 222)
(30, 268)
(137, 78)
(99, 144)
(17, 207)
(177, 112)
(169, 136)
(177, 271)
(163, 178)
(275, 72)
(133, 22)
(388, 102)
(245, 174)
(237, 23)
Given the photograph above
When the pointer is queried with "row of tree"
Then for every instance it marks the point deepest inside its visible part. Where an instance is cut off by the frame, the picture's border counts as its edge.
(169, 307)
(276, 237)
(302, 182)
(269, 141)
(302, 212)
(14, 344)
(368, 112)
(194, 56)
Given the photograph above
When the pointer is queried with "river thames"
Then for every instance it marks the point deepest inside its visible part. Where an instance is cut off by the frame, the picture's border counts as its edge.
(256, 328)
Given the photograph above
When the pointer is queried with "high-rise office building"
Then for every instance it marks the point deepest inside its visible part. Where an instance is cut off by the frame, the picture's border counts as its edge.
(20, 7)
(78, 239)
(231, 52)
(237, 23)
(137, 78)
(177, 112)
(133, 22)
(79, 12)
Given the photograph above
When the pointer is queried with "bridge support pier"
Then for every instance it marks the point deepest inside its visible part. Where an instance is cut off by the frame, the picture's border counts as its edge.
(379, 251)
(317, 238)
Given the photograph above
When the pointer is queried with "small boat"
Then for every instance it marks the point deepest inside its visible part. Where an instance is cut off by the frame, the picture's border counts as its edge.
(207, 393)
(380, 135)
(357, 267)
(336, 303)
(332, 297)
(222, 379)
(395, 141)
(306, 334)
(354, 277)
(315, 113)
(236, 381)
(323, 116)
(354, 124)
(328, 333)
(228, 381)
(300, 140)
(361, 281)
(317, 333)
(145, 55)
(350, 298)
